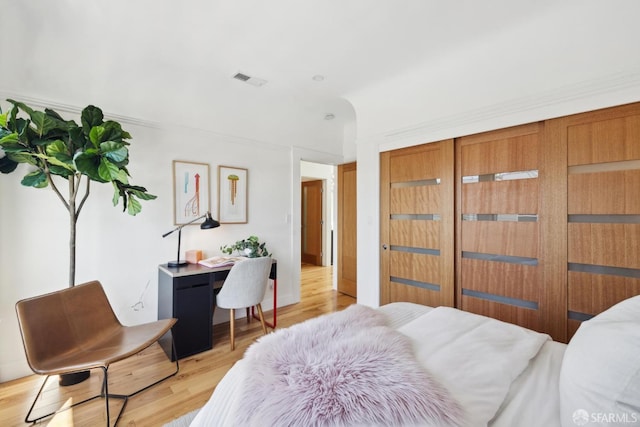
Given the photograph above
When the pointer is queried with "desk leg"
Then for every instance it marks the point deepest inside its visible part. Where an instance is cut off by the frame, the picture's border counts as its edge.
(275, 306)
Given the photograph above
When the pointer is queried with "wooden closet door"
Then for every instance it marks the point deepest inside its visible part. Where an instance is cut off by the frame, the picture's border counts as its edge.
(417, 223)
(603, 175)
(499, 253)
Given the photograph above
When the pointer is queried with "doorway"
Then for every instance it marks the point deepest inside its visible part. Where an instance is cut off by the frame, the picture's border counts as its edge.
(325, 210)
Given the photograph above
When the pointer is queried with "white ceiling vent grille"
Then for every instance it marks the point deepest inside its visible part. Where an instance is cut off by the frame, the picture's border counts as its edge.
(254, 81)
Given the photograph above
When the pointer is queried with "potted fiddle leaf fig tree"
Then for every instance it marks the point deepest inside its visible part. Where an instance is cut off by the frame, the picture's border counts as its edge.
(62, 153)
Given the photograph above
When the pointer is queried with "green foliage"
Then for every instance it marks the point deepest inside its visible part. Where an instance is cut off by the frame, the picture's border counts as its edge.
(250, 247)
(96, 149)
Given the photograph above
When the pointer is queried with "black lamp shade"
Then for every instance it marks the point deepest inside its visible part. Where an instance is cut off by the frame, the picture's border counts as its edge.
(209, 223)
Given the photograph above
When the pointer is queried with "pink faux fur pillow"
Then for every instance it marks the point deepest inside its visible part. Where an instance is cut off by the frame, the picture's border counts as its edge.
(342, 369)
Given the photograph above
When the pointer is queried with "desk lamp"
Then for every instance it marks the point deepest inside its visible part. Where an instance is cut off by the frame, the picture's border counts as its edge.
(208, 223)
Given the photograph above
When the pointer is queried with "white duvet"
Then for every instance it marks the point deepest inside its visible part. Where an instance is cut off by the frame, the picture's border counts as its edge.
(475, 357)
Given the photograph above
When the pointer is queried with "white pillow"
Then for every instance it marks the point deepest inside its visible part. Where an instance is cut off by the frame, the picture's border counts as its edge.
(600, 374)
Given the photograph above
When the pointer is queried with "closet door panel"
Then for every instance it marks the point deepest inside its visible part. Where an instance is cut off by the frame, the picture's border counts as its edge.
(421, 197)
(512, 281)
(506, 153)
(613, 245)
(499, 225)
(594, 293)
(412, 293)
(520, 316)
(414, 267)
(605, 193)
(416, 225)
(408, 165)
(603, 140)
(603, 231)
(509, 238)
(415, 234)
(507, 197)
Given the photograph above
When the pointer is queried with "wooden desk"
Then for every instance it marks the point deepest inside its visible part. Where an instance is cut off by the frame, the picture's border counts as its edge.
(188, 294)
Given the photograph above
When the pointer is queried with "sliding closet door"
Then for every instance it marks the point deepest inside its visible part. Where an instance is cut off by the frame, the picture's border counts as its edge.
(499, 225)
(417, 238)
(603, 151)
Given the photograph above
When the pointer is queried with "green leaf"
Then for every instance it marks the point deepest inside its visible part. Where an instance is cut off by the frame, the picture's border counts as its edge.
(91, 116)
(87, 163)
(7, 165)
(55, 162)
(61, 171)
(57, 147)
(116, 195)
(36, 179)
(43, 141)
(3, 119)
(134, 206)
(44, 124)
(110, 172)
(14, 148)
(114, 151)
(20, 125)
(114, 132)
(76, 138)
(11, 124)
(25, 157)
(10, 138)
(55, 115)
(141, 193)
(24, 107)
(95, 135)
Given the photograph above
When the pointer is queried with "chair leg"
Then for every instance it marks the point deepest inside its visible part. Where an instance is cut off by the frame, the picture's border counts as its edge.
(232, 326)
(264, 326)
(104, 393)
(106, 396)
(173, 345)
(248, 318)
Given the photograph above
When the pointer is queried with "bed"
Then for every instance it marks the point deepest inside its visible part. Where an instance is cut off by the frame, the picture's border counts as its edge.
(407, 364)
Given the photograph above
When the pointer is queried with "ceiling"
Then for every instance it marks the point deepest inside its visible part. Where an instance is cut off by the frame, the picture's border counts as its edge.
(156, 60)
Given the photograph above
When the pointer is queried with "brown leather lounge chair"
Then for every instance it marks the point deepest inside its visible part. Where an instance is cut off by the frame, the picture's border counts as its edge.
(74, 330)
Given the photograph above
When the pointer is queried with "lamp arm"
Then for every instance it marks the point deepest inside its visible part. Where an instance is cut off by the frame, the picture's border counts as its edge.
(179, 228)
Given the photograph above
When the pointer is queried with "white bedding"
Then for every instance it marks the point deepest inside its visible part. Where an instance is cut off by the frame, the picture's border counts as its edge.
(501, 374)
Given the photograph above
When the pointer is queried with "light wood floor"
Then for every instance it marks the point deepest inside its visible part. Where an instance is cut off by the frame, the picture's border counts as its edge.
(183, 393)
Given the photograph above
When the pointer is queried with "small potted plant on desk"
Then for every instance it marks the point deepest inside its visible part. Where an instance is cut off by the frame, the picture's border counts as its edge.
(250, 247)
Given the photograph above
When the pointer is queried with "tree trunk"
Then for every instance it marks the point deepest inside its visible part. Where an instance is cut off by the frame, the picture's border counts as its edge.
(72, 248)
(73, 219)
(74, 377)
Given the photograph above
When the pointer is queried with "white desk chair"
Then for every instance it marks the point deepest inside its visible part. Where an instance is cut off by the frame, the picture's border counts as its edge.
(245, 287)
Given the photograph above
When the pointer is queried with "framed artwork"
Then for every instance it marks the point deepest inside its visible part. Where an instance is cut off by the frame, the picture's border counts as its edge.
(190, 191)
(232, 195)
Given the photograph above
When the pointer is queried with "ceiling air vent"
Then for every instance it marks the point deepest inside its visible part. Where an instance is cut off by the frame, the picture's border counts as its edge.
(254, 81)
(241, 77)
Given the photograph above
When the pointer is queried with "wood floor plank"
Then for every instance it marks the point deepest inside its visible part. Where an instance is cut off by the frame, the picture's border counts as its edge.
(188, 390)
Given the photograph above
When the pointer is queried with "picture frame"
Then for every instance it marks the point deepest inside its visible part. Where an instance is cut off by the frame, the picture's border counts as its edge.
(190, 191)
(232, 195)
